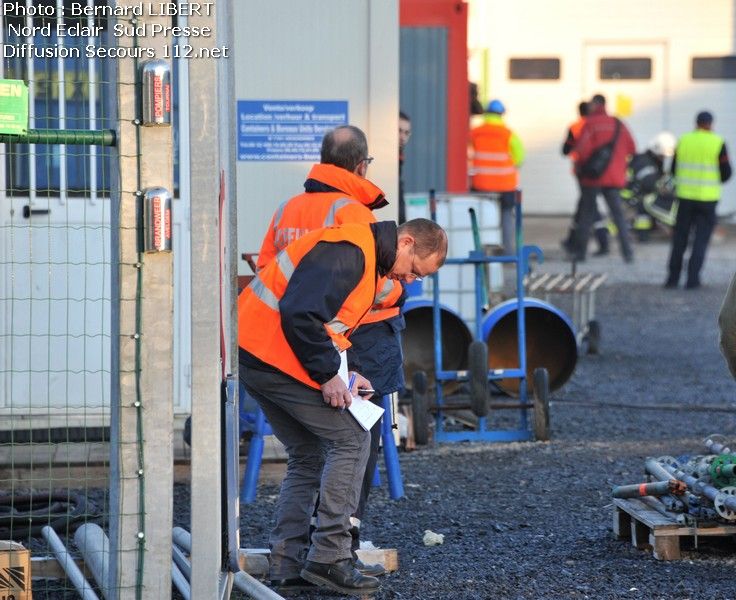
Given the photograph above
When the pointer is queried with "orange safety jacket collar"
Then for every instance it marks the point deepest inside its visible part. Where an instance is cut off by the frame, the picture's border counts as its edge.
(322, 177)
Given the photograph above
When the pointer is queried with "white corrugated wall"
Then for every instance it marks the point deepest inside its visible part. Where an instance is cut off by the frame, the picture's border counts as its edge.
(578, 32)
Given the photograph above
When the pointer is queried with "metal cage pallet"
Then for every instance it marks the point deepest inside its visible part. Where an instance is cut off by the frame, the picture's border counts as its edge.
(582, 288)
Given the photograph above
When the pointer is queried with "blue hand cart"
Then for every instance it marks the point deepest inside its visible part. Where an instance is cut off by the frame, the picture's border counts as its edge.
(478, 375)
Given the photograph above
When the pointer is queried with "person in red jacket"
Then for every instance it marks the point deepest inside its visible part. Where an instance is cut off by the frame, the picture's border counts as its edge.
(601, 223)
(600, 129)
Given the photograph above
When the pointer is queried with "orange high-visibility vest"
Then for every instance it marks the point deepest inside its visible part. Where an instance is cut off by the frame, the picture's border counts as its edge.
(259, 320)
(575, 130)
(314, 210)
(493, 167)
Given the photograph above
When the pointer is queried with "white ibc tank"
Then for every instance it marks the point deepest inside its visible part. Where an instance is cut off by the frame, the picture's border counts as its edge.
(457, 282)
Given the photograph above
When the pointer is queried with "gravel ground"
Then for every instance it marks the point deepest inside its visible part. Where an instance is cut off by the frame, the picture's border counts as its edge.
(533, 520)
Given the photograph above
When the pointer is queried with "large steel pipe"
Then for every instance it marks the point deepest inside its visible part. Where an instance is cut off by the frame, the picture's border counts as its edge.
(94, 547)
(417, 341)
(242, 580)
(550, 342)
(656, 488)
(181, 582)
(67, 563)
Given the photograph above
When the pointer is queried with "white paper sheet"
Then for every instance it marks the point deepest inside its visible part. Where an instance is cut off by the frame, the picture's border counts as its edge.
(364, 411)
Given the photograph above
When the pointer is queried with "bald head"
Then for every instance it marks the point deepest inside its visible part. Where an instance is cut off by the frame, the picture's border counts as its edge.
(345, 147)
(430, 238)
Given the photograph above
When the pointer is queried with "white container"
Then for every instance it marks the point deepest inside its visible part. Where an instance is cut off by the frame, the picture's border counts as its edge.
(457, 282)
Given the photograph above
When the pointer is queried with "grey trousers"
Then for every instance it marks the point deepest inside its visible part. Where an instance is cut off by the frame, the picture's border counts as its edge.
(327, 454)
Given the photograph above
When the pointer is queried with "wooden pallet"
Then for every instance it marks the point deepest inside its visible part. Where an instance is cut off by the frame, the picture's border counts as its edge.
(646, 528)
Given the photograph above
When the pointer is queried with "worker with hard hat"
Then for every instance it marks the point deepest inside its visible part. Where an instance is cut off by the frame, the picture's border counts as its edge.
(700, 166)
(497, 154)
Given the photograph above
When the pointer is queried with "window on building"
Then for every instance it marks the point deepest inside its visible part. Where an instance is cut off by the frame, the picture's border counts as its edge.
(534, 68)
(714, 67)
(625, 68)
(67, 90)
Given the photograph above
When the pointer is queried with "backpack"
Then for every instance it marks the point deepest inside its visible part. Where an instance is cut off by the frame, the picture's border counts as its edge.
(597, 162)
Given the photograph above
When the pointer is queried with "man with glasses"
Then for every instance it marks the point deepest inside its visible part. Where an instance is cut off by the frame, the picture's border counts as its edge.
(295, 324)
(337, 192)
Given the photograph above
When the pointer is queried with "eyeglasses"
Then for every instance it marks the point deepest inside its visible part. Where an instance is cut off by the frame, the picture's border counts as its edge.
(367, 160)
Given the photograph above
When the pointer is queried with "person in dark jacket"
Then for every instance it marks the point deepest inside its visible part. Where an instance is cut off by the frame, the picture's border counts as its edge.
(294, 318)
(336, 192)
(599, 130)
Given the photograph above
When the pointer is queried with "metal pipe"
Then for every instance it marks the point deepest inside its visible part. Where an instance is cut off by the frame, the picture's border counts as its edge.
(95, 550)
(72, 137)
(180, 582)
(254, 588)
(391, 456)
(61, 107)
(657, 488)
(243, 581)
(723, 502)
(656, 470)
(182, 538)
(67, 563)
(683, 519)
(715, 447)
(181, 562)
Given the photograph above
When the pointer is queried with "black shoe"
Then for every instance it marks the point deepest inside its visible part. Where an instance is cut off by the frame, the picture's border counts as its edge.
(628, 259)
(670, 285)
(292, 585)
(340, 576)
(376, 570)
(692, 285)
(601, 252)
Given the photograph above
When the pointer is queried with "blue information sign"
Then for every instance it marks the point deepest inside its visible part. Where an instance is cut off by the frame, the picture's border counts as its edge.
(274, 130)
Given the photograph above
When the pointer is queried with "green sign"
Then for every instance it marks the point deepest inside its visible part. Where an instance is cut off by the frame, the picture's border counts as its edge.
(13, 106)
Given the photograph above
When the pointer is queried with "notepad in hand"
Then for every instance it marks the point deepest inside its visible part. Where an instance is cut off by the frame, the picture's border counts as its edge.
(365, 412)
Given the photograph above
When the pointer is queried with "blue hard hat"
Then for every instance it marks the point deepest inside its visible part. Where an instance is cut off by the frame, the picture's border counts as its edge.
(496, 106)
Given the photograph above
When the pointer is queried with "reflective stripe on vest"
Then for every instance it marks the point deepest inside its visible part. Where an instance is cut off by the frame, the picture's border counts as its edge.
(310, 211)
(284, 234)
(337, 205)
(388, 293)
(697, 171)
(260, 332)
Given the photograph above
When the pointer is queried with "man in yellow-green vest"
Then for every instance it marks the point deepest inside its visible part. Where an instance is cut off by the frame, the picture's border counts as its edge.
(700, 166)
